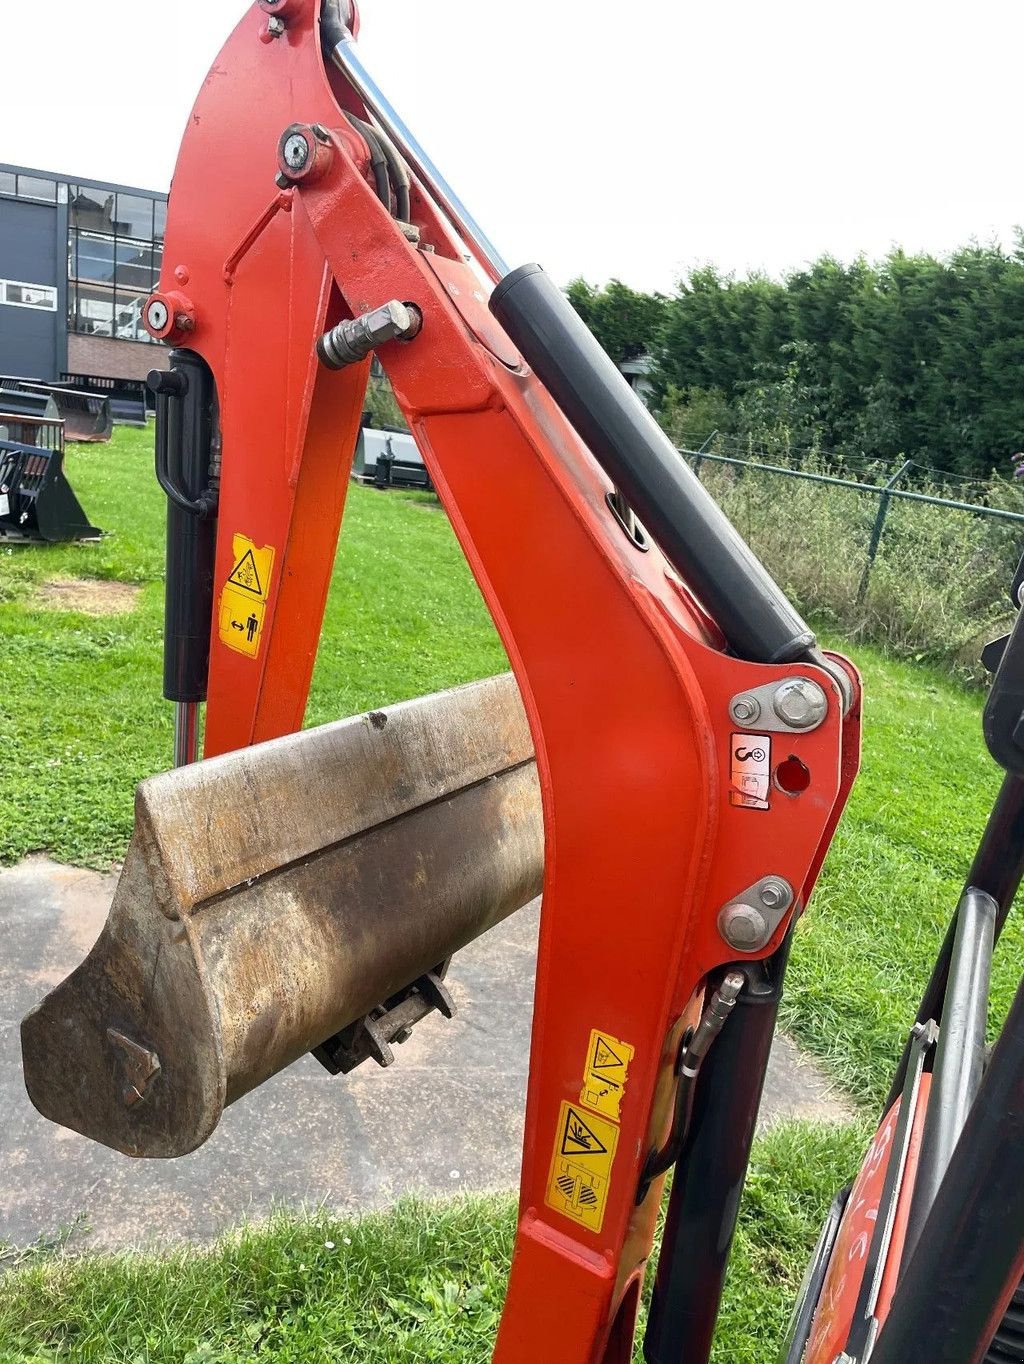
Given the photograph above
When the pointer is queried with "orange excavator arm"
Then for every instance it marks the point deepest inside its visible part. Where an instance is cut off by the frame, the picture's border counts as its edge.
(694, 747)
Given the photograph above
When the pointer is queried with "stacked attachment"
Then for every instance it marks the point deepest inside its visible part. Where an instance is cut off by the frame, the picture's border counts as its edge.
(36, 500)
(86, 416)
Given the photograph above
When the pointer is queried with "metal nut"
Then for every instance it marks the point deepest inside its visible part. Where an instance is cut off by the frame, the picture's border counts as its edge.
(275, 26)
(744, 926)
(800, 703)
(775, 894)
(744, 709)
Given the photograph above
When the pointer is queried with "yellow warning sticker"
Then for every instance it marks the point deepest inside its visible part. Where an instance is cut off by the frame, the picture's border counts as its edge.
(581, 1166)
(243, 599)
(604, 1078)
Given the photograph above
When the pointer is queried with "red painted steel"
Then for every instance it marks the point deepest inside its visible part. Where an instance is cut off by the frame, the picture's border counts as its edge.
(841, 1289)
(624, 678)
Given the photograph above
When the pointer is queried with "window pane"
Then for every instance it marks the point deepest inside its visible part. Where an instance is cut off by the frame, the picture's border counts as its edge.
(134, 216)
(94, 313)
(158, 261)
(92, 209)
(8, 183)
(134, 267)
(33, 187)
(42, 296)
(128, 324)
(159, 219)
(95, 258)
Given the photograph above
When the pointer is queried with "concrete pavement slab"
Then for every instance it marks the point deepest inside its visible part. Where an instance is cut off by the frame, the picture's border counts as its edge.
(446, 1117)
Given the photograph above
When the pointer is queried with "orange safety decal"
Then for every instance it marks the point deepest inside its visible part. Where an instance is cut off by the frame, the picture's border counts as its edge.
(581, 1166)
(243, 599)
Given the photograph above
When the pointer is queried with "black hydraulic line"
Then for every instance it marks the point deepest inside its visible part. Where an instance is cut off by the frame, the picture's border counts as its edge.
(959, 1053)
(970, 1254)
(378, 161)
(186, 434)
(755, 616)
(710, 1173)
(335, 19)
(997, 870)
(399, 172)
(691, 1059)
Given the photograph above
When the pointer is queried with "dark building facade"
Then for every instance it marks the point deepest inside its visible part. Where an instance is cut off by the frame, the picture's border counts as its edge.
(78, 259)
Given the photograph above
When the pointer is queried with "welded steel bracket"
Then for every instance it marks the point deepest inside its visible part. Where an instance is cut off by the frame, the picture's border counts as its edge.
(374, 1036)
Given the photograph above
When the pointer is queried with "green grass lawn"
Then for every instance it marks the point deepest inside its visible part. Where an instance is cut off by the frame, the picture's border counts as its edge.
(80, 697)
(80, 707)
(421, 1284)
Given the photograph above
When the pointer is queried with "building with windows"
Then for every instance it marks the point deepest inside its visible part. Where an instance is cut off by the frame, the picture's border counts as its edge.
(78, 259)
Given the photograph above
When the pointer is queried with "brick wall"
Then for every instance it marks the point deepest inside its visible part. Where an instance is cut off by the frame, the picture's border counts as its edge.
(116, 359)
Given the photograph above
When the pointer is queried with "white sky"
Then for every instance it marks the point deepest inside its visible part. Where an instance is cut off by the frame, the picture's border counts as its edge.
(631, 139)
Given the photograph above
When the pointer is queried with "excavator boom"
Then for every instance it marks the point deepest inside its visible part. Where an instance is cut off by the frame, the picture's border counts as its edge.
(673, 754)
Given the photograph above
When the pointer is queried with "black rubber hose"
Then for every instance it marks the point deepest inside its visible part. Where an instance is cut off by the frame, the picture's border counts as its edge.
(333, 28)
(378, 161)
(399, 176)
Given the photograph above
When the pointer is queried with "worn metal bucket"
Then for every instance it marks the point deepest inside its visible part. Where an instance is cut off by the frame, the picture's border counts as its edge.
(273, 896)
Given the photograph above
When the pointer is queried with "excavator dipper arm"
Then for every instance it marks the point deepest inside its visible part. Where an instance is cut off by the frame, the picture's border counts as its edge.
(693, 747)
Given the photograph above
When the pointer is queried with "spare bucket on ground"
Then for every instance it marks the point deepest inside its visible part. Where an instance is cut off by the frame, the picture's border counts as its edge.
(86, 416)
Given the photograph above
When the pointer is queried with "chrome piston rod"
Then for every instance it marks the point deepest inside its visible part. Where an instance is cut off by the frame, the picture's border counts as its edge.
(345, 55)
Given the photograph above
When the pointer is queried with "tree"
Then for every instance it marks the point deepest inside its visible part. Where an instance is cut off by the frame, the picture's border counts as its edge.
(626, 323)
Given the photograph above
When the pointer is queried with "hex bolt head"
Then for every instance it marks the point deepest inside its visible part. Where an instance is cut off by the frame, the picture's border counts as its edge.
(745, 710)
(296, 148)
(775, 894)
(800, 703)
(156, 315)
(744, 927)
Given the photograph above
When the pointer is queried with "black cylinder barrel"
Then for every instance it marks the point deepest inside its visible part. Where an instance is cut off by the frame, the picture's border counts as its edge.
(186, 427)
(753, 613)
(705, 1200)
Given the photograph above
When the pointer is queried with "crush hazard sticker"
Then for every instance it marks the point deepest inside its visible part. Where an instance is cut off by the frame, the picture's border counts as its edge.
(604, 1077)
(243, 598)
(750, 768)
(581, 1165)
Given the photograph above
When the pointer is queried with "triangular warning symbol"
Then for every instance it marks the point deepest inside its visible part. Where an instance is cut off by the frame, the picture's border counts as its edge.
(578, 1139)
(245, 575)
(604, 1057)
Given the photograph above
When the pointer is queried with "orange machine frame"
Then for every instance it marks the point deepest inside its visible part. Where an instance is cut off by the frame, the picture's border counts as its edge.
(624, 676)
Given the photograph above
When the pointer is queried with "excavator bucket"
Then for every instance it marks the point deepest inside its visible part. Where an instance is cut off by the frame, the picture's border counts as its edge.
(36, 500)
(86, 416)
(285, 898)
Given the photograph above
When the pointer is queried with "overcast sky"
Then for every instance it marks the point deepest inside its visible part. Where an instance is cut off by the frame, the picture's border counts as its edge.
(632, 139)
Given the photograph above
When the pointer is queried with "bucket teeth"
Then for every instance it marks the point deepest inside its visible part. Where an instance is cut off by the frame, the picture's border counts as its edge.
(273, 896)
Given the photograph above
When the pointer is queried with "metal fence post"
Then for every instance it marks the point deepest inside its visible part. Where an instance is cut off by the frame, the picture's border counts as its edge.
(698, 457)
(876, 530)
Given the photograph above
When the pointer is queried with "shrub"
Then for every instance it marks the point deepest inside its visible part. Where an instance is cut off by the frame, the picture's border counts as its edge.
(939, 587)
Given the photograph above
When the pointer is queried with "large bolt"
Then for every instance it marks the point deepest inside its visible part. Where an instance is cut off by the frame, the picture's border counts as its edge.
(156, 315)
(744, 927)
(295, 150)
(351, 341)
(745, 709)
(275, 26)
(800, 703)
